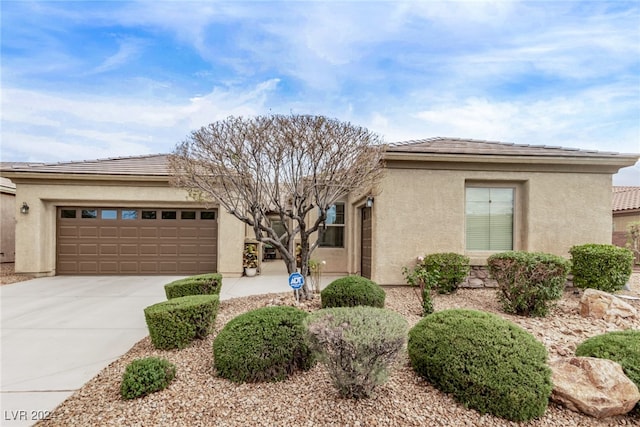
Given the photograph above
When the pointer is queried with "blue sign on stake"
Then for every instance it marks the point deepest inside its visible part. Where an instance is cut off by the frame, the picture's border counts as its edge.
(296, 280)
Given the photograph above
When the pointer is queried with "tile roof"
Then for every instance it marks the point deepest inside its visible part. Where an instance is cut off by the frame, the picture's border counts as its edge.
(626, 198)
(147, 165)
(439, 145)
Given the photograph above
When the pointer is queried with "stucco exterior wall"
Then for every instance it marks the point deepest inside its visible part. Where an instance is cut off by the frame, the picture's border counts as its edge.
(422, 211)
(622, 220)
(36, 231)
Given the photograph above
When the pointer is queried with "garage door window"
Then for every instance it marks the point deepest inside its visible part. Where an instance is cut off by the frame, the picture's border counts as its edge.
(148, 214)
(169, 215)
(109, 214)
(208, 215)
(68, 213)
(129, 214)
(188, 215)
(89, 213)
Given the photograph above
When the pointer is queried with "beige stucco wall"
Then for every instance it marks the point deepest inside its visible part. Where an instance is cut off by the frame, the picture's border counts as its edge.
(421, 211)
(36, 231)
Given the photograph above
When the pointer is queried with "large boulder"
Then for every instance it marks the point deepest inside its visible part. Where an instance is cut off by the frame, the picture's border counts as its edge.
(602, 305)
(596, 387)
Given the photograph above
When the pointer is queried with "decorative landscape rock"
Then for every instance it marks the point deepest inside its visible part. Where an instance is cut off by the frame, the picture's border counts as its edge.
(602, 305)
(596, 387)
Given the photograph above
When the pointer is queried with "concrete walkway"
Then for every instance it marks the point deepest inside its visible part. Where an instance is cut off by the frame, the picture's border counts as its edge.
(59, 332)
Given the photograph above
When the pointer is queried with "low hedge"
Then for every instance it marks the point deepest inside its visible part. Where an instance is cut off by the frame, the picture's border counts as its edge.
(449, 268)
(146, 376)
(352, 291)
(603, 267)
(487, 363)
(620, 346)
(358, 345)
(265, 344)
(527, 281)
(177, 322)
(202, 284)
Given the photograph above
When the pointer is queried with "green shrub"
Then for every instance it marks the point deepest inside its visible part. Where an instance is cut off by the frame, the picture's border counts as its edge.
(202, 284)
(357, 345)
(266, 344)
(425, 281)
(620, 346)
(487, 363)
(352, 291)
(177, 322)
(603, 267)
(527, 281)
(450, 269)
(146, 376)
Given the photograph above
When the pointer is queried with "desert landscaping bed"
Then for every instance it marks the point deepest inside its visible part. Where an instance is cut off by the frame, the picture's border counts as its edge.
(198, 397)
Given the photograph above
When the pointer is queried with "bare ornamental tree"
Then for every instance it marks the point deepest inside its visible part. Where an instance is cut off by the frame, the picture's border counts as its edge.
(282, 166)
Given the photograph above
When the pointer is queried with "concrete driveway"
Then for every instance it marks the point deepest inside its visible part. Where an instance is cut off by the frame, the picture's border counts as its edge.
(59, 332)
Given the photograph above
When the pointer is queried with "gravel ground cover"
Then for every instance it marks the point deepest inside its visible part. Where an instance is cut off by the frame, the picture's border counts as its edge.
(198, 398)
(8, 276)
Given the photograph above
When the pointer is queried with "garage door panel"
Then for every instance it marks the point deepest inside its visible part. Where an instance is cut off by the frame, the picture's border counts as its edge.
(108, 249)
(129, 232)
(165, 232)
(148, 267)
(148, 249)
(148, 232)
(169, 249)
(88, 232)
(88, 249)
(108, 232)
(68, 231)
(88, 267)
(128, 249)
(108, 267)
(142, 245)
(68, 249)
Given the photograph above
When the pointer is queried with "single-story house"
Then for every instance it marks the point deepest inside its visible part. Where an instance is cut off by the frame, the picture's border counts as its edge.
(121, 216)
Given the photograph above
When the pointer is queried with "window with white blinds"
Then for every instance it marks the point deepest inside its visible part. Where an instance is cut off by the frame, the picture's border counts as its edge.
(489, 218)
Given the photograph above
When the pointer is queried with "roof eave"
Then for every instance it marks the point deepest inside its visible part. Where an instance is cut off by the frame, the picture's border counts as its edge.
(613, 163)
(30, 175)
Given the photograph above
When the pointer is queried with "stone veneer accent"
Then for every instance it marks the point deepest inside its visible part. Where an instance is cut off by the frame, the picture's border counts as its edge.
(479, 278)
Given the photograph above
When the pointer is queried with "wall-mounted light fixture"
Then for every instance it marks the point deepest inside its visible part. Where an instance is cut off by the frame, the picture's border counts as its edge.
(24, 208)
(369, 201)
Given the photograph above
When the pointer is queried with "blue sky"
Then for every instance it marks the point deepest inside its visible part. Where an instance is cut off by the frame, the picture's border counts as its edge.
(91, 79)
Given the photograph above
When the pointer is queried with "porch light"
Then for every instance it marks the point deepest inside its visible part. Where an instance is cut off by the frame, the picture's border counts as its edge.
(369, 201)
(25, 208)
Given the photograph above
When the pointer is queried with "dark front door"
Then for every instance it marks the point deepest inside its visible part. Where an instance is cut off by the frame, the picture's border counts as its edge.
(365, 242)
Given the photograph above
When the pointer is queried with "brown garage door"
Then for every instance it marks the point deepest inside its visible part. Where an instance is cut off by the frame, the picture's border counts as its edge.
(136, 241)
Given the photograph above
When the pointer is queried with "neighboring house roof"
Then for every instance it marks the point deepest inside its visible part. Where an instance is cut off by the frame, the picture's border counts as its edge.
(626, 199)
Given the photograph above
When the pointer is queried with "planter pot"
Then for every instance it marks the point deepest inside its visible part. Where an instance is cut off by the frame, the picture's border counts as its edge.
(250, 272)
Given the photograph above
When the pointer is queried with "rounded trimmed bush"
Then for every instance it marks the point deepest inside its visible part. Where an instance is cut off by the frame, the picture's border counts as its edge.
(487, 363)
(146, 376)
(266, 344)
(352, 291)
(177, 322)
(603, 267)
(527, 281)
(201, 284)
(357, 345)
(622, 347)
(449, 268)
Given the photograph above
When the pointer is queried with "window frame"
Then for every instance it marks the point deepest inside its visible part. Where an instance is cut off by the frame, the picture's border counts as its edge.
(517, 241)
(334, 226)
